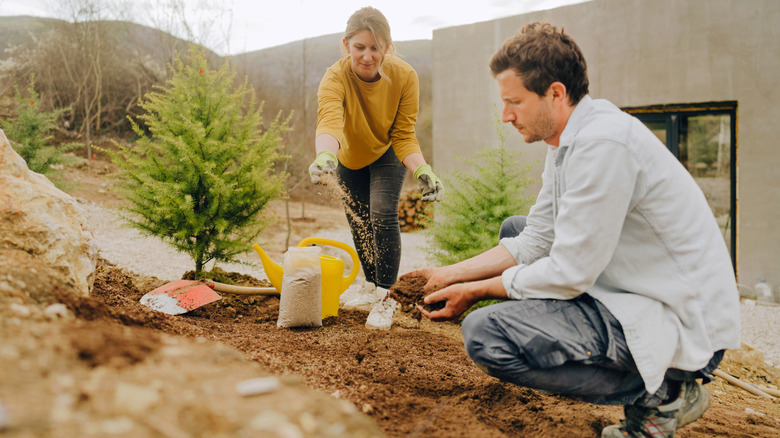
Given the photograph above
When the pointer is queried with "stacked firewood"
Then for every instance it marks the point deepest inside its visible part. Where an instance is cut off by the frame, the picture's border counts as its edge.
(413, 212)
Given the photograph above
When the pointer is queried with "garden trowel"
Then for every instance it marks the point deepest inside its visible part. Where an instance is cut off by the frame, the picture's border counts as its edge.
(181, 296)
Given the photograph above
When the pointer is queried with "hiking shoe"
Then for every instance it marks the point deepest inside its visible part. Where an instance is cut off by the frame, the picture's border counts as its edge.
(362, 298)
(662, 421)
(381, 315)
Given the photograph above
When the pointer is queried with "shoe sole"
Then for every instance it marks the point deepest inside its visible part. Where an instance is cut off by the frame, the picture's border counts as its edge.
(694, 415)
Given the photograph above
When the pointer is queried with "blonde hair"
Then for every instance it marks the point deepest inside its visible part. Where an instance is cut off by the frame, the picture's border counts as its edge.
(370, 19)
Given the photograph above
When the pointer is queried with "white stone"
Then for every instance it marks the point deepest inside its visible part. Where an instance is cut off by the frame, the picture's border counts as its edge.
(267, 420)
(56, 311)
(135, 399)
(20, 310)
(117, 426)
(289, 430)
(257, 386)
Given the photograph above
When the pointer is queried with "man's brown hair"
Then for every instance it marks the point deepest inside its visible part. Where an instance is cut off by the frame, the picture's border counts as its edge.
(541, 54)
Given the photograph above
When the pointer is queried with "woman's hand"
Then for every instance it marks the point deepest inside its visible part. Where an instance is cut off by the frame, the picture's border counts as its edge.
(324, 163)
(430, 184)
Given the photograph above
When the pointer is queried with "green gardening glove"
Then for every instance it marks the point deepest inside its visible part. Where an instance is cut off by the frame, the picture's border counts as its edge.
(430, 184)
(324, 163)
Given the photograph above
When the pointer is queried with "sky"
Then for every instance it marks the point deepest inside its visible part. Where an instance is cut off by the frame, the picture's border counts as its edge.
(237, 26)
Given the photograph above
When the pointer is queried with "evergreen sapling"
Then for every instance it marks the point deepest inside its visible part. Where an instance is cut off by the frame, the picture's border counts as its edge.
(469, 216)
(203, 175)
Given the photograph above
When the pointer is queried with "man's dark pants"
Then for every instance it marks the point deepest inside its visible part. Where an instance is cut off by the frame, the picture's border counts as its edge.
(570, 347)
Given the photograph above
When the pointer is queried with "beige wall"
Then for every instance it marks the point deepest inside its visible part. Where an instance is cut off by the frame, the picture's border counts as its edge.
(642, 52)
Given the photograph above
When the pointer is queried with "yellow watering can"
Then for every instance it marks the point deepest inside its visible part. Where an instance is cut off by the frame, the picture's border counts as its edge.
(333, 283)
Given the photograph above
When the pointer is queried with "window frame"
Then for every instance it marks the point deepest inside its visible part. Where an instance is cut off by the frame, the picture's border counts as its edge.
(672, 114)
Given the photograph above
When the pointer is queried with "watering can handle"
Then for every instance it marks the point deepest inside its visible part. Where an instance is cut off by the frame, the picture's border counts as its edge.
(341, 245)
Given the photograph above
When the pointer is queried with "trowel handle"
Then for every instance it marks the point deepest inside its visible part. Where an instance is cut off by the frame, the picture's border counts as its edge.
(241, 290)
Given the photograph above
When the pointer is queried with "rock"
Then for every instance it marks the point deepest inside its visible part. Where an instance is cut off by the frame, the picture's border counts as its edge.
(21, 310)
(117, 426)
(41, 220)
(23, 275)
(56, 311)
(257, 386)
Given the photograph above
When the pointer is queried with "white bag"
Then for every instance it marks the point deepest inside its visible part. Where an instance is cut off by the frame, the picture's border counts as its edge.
(300, 304)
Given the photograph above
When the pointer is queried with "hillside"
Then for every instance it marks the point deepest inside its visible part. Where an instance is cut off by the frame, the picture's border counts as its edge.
(285, 77)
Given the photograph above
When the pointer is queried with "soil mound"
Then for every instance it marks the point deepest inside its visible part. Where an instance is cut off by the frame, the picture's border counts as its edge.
(411, 381)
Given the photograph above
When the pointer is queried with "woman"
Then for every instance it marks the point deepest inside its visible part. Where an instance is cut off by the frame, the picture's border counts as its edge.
(368, 103)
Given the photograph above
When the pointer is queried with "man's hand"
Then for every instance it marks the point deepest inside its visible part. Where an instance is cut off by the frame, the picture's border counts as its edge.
(325, 162)
(457, 299)
(436, 278)
(430, 184)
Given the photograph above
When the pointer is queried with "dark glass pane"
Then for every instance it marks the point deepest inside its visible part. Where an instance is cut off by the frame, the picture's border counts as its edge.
(658, 128)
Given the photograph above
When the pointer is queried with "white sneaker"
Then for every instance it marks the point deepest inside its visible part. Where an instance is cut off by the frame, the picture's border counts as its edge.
(362, 298)
(381, 315)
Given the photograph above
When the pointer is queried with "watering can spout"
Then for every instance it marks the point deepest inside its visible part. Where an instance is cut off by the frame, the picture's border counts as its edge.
(273, 270)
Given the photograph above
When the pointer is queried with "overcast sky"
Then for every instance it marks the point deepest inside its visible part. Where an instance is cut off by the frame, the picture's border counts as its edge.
(249, 25)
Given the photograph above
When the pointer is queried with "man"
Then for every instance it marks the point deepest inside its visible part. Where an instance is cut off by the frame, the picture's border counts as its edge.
(619, 288)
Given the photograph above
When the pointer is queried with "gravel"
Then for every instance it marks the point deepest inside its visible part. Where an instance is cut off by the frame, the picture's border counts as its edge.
(127, 248)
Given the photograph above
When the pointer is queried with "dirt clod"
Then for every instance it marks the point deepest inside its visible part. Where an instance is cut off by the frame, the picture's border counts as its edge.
(408, 292)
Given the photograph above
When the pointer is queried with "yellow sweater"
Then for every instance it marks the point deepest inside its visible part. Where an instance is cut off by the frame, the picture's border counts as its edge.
(368, 117)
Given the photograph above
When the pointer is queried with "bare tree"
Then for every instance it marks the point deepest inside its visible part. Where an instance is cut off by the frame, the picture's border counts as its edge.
(204, 22)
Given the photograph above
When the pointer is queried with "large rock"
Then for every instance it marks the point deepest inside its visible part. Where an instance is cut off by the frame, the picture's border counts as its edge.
(41, 220)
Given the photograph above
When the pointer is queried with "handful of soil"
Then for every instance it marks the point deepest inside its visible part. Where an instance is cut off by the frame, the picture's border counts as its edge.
(408, 291)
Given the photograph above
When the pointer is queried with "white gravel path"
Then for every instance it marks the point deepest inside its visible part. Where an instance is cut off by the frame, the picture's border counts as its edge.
(128, 248)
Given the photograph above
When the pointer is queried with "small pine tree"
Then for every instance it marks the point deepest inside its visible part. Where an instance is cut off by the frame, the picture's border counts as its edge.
(475, 204)
(202, 178)
(30, 132)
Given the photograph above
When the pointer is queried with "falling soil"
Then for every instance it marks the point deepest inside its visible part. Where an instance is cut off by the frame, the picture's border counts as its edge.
(413, 380)
(335, 191)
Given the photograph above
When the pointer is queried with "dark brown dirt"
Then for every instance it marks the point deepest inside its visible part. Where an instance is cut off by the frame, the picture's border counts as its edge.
(411, 381)
(112, 345)
(408, 292)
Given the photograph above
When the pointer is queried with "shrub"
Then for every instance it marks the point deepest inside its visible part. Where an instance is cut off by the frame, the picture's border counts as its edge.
(475, 203)
(30, 132)
(201, 179)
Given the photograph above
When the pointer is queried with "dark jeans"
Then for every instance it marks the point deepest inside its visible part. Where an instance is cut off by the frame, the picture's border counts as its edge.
(571, 347)
(511, 227)
(372, 212)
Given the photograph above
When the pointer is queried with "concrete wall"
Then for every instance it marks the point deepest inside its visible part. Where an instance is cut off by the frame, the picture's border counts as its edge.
(642, 52)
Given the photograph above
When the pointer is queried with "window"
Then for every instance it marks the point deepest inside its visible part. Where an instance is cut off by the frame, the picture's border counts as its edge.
(703, 138)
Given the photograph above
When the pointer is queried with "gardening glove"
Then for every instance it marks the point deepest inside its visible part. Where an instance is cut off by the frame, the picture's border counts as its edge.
(324, 163)
(430, 184)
